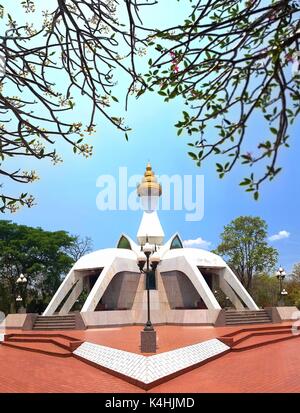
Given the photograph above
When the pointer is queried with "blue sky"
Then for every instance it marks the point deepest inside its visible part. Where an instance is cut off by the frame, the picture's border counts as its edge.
(66, 193)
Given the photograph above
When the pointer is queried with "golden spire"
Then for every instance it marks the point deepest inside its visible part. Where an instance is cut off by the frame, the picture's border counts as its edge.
(149, 185)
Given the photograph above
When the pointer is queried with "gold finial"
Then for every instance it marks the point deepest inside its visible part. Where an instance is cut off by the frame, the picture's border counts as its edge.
(149, 185)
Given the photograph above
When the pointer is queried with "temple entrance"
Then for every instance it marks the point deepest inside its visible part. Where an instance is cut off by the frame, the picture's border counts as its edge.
(90, 278)
(210, 277)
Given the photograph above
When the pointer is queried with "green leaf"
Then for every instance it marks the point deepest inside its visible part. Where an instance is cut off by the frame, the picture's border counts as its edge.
(193, 156)
(246, 181)
(219, 167)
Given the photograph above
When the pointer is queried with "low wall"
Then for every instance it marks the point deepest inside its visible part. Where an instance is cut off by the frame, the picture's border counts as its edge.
(18, 321)
(203, 317)
(107, 318)
(288, 313)
(133, 317)
(14, 321)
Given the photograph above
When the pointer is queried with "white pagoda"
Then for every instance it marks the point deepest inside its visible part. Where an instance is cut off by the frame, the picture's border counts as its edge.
(182, 289)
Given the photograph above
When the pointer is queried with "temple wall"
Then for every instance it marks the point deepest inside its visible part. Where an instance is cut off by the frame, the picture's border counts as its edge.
(138, 317)
(180, 291)
(121, 291)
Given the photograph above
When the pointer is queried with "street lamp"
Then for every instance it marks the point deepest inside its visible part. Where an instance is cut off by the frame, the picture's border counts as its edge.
(21, 281)
(149, 256)
(280, 274)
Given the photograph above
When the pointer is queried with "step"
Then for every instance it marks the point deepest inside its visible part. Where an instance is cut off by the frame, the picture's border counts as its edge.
(261, 320)
(248, 322)
(246, 335)
(55, 325)
(55, 321)
(247, 318)
(56, 336)
(28, 340)
(54, 328)
(44, 348)
(55, 318)
(244, 317)
(246, 312)
(254, 342)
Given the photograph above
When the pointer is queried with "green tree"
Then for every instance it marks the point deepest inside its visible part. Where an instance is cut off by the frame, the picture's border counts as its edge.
(296, 272)
(232, 62)
(244, 245)
(79, 247)
(265, 290)
(293, 289)
(38, 254)
(292, 285)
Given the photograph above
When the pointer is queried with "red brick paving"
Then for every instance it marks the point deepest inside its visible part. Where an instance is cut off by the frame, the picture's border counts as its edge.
(26, 372)
(114, 337)
(169, 337)
(272, 368)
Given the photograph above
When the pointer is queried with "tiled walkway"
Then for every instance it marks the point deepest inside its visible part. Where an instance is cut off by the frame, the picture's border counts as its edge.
(147, 371)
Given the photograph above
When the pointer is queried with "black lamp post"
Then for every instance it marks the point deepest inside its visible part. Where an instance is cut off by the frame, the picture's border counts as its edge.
(280, 274)
(149, 256)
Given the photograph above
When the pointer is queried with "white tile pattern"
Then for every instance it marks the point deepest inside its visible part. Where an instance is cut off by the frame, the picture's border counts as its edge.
(1, 337)
(149, 369)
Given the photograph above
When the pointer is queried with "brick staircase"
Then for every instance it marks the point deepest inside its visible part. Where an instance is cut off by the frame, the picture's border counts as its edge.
(234, 317)
(55, 322)
(53, 344)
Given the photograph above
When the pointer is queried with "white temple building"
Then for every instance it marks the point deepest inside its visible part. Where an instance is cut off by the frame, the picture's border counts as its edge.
(182, 288)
